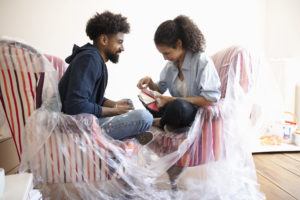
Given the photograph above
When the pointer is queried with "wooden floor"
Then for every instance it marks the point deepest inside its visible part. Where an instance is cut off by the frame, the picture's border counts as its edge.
(279, 175)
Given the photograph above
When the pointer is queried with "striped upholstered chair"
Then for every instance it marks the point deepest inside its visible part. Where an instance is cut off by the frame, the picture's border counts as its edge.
(208, 145)
(62, 158)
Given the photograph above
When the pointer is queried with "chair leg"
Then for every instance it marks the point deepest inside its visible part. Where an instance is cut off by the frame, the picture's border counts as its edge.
(173, 173)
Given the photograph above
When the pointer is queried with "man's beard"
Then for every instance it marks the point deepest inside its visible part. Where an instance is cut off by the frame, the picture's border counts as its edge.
(113, 57)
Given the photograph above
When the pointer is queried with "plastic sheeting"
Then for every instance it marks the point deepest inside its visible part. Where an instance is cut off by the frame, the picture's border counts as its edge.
(71, 157)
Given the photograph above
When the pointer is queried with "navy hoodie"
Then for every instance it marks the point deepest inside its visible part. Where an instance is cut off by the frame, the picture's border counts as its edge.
(83, 84)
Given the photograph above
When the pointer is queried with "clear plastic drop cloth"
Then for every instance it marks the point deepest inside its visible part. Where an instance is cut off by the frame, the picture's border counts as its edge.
(71, 157)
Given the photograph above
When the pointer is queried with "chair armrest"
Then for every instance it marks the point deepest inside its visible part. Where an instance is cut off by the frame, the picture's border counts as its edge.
(76, 151)
(206, 146)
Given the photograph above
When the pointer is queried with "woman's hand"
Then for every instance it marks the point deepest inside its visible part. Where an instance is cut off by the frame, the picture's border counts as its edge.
(145, 82)
(161, 100)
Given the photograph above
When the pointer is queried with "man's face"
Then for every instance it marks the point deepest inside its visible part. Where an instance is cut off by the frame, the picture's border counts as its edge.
(114, 47)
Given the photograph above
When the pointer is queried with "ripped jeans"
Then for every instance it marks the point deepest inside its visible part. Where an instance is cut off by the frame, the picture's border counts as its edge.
(127, 125)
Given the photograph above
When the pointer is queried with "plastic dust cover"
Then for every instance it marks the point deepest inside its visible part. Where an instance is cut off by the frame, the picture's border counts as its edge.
(71, 157)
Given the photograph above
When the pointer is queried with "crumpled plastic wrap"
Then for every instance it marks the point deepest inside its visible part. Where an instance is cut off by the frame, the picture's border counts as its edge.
(71, 157)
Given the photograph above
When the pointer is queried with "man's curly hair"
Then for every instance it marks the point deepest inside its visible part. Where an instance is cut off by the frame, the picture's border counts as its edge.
(106, 23)
(182, 28)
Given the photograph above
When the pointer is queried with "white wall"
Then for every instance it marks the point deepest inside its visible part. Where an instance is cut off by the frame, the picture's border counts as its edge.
(283, 46)
(283, 28)
(53, 26)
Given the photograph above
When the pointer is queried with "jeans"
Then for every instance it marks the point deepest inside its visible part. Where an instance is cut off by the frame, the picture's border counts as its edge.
(127, 125)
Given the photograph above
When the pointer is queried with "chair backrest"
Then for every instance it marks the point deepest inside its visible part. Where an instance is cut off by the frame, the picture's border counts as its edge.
(238, 59)
(21, 84)
(59, 65)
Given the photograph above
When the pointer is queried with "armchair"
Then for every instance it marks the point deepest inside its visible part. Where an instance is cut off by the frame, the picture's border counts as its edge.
(207, 139)
(58, 149)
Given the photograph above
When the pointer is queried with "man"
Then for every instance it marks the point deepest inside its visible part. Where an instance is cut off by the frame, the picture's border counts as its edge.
(83, 85)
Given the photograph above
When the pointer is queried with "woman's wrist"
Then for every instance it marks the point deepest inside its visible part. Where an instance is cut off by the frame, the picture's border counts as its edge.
(169, 99)
(151, 84)
(172, 98)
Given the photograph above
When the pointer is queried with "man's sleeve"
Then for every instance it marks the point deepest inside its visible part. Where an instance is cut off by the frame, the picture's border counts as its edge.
(80, 88)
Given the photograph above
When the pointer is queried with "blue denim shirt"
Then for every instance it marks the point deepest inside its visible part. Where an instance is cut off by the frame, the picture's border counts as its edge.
(199, 73)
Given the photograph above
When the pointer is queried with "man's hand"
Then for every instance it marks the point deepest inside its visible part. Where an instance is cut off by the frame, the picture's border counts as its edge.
(121, 110)
(117, 110)
(161, 100)
(125, 103)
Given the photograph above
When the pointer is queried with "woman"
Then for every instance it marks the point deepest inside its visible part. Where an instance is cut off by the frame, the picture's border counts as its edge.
(190, 75)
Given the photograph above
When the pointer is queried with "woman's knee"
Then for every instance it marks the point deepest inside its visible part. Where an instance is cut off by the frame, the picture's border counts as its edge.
(179, 113)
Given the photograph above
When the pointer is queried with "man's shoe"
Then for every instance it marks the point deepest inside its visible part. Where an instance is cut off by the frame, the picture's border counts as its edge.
(144, 138)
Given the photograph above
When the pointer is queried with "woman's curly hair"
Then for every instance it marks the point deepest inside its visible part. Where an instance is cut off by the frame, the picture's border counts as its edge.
(106, 23)
(182, 28)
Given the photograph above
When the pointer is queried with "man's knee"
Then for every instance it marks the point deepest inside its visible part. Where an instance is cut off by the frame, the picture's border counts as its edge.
(144, 116)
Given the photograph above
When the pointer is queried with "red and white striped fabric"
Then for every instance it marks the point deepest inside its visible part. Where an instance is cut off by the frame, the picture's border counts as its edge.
(19, 77)
(21, 84)
(207, 145)
(61, 161)
(59, 65)
(234, 57)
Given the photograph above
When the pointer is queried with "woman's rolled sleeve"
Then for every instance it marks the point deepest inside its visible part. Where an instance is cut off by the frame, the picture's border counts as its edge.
(209, 83)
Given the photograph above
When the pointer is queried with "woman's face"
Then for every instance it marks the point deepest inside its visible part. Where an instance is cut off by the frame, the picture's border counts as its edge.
(170, 53)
